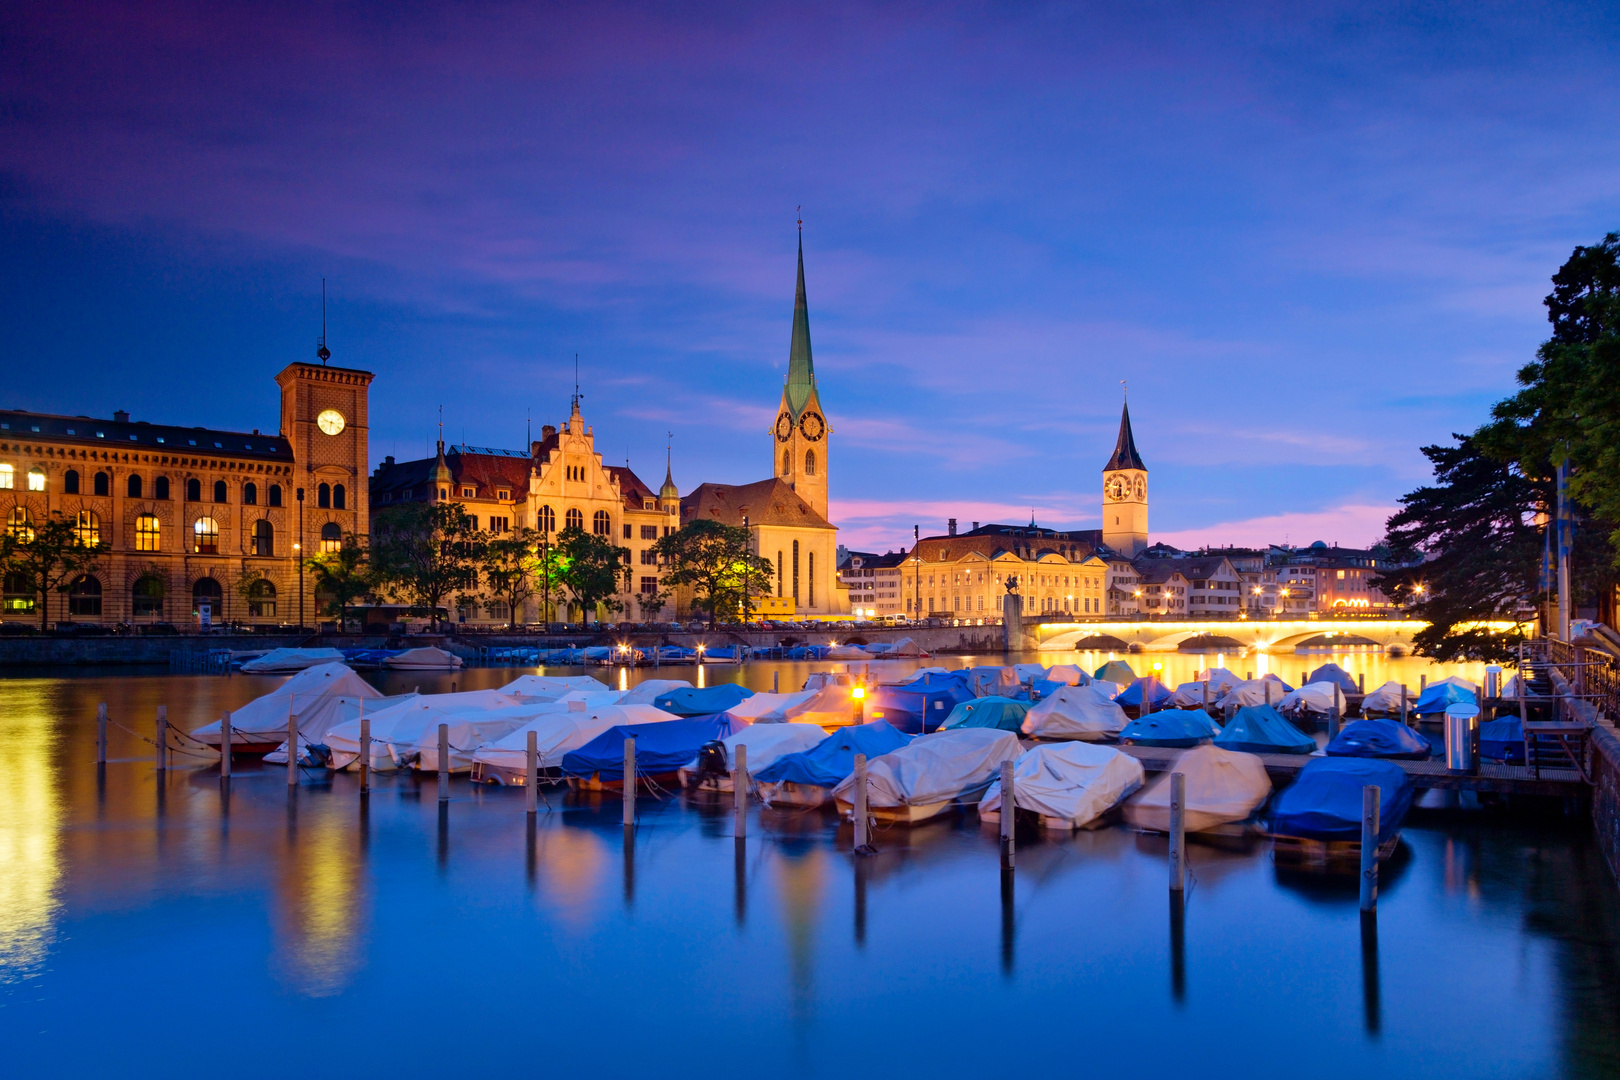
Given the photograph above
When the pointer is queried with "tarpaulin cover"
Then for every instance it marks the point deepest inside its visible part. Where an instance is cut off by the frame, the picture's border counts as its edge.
(1255, 692)
(1076, 712)
(315, 698)
(1116, 671)
(936, 768)
(692, 701)
(1379, 739)
(767, 743)
(1259, 729)
(647, 691)
(660, 748)
(1172, 727)
(1074, 782)
(1385, 699)
(398, 730)
(1324, 802)
(988, 712)
(277, 661)
(1190, 695)
(427, 658)
(905, 647)
(559, 730)
(469, 731)
(1459, 682)
(830, 706)
(988, 681)
(1333, 673)
(1222, 786)
(832, 759)
(769, 708)
(550, 687)
(1149, 687)
(1039, 688)
(906, 706)
(847, 652)
(1437, 696)
(1067, 673)
(1220, 680)
(1503, 740)
(1026, 672)
(1316, 697)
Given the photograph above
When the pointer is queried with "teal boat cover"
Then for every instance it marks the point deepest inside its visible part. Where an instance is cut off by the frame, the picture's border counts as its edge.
(1116, 671)
(701, 701)
(660, 748)
(1324, 803)
(1172, 727)
(1437, 697)
(988, 712)
(1379, 738)
(832, 759)
(1260, 729)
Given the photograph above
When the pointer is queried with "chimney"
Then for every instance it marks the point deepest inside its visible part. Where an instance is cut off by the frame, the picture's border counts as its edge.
(975, 526)
(950, 527)
(120, 417)
(389, 460)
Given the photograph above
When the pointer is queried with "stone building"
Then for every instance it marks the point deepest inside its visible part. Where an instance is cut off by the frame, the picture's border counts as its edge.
(873, 583)
(964, 576)
(193, 516)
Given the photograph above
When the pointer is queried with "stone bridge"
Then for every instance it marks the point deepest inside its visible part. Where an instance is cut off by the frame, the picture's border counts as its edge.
(1258, 635)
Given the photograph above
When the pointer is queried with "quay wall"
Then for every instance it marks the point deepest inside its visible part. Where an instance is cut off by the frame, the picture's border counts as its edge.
(1606, 794)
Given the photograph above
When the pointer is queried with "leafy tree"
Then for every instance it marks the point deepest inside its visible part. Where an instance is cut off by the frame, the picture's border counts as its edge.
(509, 563)
(47, 557)
(423, 552)
(590, 568)
(651, 603)
(717, 562)
(549, 574)
(343, 576)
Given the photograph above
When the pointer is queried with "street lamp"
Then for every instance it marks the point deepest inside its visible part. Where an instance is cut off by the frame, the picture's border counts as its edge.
(298, 547)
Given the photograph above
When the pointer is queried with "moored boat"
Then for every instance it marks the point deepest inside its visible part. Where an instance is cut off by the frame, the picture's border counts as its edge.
(931, 774)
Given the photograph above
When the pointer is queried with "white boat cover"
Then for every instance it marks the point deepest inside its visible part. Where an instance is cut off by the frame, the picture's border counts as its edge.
(906, 647)
(1222, 786)
(1386, 699)
(561, 730)
(819, 679)
(767, 742)
(1068, 673)
(284, 660)
(427, 658)
(1075, 712)
(1026, 672)
(831, 706)
(1458, 680)
(397, 731)
(935, 768)
(594, 699)
(770, 708)
(549, 687)
(1253, 692)
(1073, 782)
(1510, 688)
(847, 652)
(1318, 697)
(918, 673)
(1109, 690)
(646, 690)
(319, 697)
(1220, 680)
(1190, 695)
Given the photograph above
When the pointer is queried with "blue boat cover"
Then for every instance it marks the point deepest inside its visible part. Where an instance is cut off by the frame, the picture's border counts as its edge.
(990, 712)
(904, 707)
(1261, 729)
(1116, 671)
(701, 701)
(833, 758)
(1434, 699)
(1045, 687)
(1503, 740)
(1333, 673)
(1379, 738)
(1132, 694)
(1172, 727)
(1324, 803)
(660, 748)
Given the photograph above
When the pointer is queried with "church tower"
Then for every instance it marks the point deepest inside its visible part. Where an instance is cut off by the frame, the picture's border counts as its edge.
(1125, 501)
(799, 436)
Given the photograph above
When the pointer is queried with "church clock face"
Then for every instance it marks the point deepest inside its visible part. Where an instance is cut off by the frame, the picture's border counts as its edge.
(330, 421)
(813, 426)
(784, 428)
(1117, 488)
(1141, 489)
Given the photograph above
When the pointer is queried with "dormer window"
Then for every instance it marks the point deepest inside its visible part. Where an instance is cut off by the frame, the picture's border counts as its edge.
(504, 494)
(469, 493)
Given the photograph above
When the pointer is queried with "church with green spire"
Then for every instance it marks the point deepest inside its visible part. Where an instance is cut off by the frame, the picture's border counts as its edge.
(801, 433)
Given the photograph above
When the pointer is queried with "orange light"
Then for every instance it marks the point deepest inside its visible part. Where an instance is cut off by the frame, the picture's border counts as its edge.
(858, 693)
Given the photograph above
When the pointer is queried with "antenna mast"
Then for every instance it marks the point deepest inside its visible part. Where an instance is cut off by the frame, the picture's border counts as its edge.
(321, 350)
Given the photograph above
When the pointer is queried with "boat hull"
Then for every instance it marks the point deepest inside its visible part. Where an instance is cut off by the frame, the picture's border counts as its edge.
(787, 793)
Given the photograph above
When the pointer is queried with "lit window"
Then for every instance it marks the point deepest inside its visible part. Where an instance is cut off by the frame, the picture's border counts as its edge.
(331, 537)
(87, 530)
(36, 479)
(146, 533)
(20, 525)
(207, 530)
(6, 474)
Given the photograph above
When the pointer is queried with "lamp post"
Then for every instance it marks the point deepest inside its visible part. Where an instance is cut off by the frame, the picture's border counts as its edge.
(748, 552)
(916, 574)
(298, 555)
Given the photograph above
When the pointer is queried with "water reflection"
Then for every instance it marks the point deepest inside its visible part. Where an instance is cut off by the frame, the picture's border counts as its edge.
(322, 899)
(800, 882)
(30, 817)
(1371, 1007)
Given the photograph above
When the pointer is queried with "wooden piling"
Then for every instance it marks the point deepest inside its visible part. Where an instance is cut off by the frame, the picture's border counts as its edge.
(1361, 683)
(225, 747)
(1423, 684)
(365, 753)
(444, 763)
(776, 682)
(629, 782)
(531, 775)
(1178, 832)
(739, 792)
(101, 733)
(1009, 808)
(1206, 695)
(292, 748)
(1369, 848)
(162, 737)
(858, 802)
(1405, 717)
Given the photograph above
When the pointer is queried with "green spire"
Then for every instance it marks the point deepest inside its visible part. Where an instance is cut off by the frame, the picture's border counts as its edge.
(801, 379)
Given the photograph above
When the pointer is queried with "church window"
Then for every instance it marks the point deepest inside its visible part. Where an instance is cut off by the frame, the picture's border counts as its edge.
(207, 530)
(779, 573)
(787, 462)
(134, 486)
(194, 490)
(340, 498)
(102, 483)
(220, 491)
(574, 519)
(547, 520)
(275, 494)
(809, 463)
(70, 482)
(250, 494)
(811, 599)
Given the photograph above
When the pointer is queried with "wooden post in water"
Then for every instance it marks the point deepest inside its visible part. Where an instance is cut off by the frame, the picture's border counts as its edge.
(1178, 832)
(629, 782)
(292, 748)
(225, 747)
(1405, 719)
(1369, 848)
(1333, 714)
(531, 775)
(101, 733)
(1361, 683)
(1423, 684)
(365, 752)
(1206, 695)
(858, 803)
(776, 682)
(739, 792)
(1248, 676)
(444, 763)
(162, 737)
(1009, 810)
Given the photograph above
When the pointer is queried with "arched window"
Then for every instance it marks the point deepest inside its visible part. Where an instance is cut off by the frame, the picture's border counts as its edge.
(160, 488)
(601, 523)
(548, 520)
(340, 497)
(574, 519)
(147, 594)
(7, 477)
(134, 487)
(787, 462)
(221, 492)
(70, 482)
(275, 494)
(250, 494)
(264, 538)
(262, 599)
(331, 537)
(207, 530)
(194, 490)
(87, 530)
(795, 572)
(36, 479)
(84, 596)
(17, 594)
(20, 524)
(103, 484)
(323, 496)
(146, 533)
(810, 569)
(809, 463)
(207, 591)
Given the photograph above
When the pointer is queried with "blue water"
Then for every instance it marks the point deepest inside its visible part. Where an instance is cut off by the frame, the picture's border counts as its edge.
(148, 928)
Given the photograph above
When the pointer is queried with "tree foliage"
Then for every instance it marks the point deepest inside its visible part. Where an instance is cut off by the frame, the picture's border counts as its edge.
(47, 557)
(589, 567)
(718, 563)
(423, 552)
(510, 563)
(343, 577)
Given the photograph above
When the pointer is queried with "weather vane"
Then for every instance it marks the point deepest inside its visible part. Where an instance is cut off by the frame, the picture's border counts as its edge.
(321, 350)
(801, 219)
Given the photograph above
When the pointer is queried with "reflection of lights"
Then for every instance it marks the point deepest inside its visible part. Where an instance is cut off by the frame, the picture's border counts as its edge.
(321, 910)
(29, 814)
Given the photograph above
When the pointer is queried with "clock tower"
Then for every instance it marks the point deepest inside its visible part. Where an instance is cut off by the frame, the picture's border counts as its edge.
(1125, 505)
(799, 436)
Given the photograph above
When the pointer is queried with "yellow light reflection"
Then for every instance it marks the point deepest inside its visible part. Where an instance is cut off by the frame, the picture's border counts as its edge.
(322, 893)
(30, 816)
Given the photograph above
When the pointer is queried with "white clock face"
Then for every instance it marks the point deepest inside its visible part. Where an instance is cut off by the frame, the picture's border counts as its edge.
(330, 421)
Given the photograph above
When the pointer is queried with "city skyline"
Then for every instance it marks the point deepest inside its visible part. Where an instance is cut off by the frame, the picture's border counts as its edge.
(1309, 243)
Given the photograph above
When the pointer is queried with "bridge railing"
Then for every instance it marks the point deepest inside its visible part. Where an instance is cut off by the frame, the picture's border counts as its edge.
(1590, 674)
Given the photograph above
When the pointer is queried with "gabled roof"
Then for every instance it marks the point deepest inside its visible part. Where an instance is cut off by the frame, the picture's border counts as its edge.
(154, 438)
(1125, 455)
(766, 502)
(487, 472)
(1159, 572)
(1203, 566)
(631, 487)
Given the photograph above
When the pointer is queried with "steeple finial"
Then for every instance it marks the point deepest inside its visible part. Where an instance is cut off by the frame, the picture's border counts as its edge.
(321, 350)
(669, 492)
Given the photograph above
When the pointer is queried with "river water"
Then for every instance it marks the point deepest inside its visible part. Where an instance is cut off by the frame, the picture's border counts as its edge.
(165, 926)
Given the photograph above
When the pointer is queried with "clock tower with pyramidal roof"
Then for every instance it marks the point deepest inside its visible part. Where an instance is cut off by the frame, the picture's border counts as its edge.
(1125, 497)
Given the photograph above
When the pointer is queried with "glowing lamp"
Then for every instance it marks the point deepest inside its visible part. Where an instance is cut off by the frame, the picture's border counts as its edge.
(858, 693)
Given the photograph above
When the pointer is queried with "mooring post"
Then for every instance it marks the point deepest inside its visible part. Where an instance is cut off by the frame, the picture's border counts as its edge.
(225, 747)
(1361, 684)
(1423, 684)
(858, 803)
(162, 737)
(739, 792)
(1369, 848)
(1206, 695)
(1268, 693)
(1405, 717)
(1009, 809)
(101, 734)
(776, 682)
(365, 754)
(1333, 713)
(1178, 832)
(629, 782)
(531, 775)
(444, 762)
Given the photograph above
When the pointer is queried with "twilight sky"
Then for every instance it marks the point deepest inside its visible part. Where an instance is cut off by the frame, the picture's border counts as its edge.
(1312, 237)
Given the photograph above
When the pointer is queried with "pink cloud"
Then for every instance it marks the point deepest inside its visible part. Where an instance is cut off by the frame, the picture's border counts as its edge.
(1350, 525)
